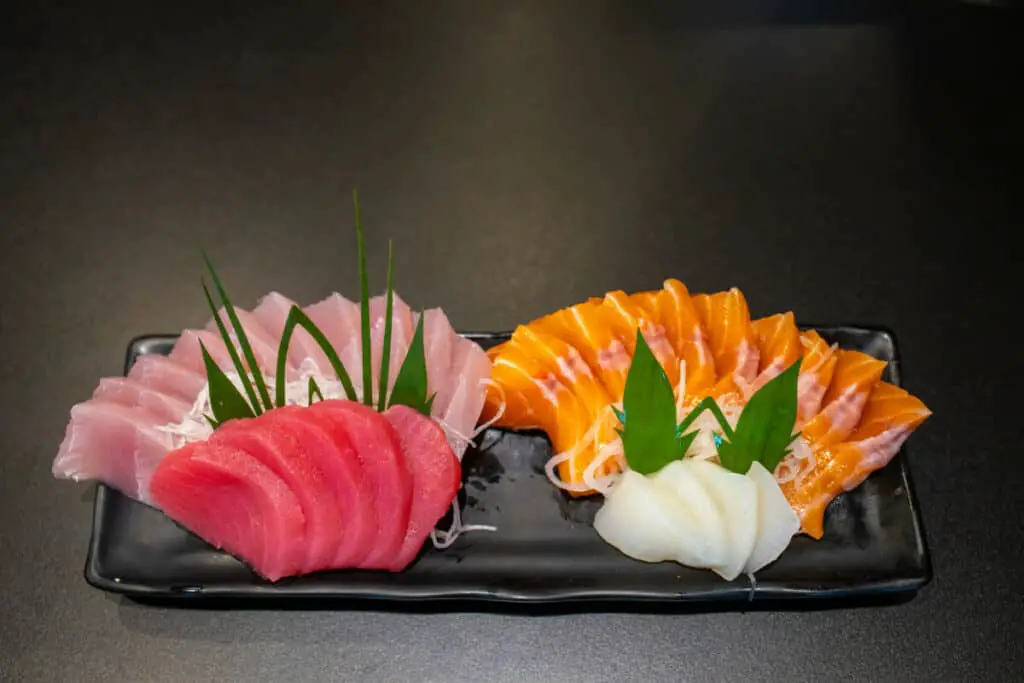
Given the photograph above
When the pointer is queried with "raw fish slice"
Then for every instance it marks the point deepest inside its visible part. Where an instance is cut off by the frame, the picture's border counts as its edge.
(234, 502)
(162, 374)
(626, 317)
(272, 440)
(732, 341)
(463, 411)
(324, 440)
(127, 392)
(436, 475)
(537, 399)
(648, 303)
(340, 321)
(188, 353)
(112, 443)
(888, 419)
(438, 339)
(586, 327)
(380, 452)
(686, 334)
(567, 364)
(303, 352)
(856, 374)
(264, 345)
(816, 369)
(778, 345)
(401, 336)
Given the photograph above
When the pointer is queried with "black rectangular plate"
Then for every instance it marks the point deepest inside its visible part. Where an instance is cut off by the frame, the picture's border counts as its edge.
(545, 549)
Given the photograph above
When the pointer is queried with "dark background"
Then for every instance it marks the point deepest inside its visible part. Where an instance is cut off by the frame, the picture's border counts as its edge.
(851, 161)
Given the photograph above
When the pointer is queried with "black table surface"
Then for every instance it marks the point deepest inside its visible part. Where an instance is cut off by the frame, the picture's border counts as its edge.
(849, 161)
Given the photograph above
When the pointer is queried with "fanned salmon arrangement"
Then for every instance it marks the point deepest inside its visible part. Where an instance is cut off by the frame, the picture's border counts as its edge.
(568, 374)
(330, 436)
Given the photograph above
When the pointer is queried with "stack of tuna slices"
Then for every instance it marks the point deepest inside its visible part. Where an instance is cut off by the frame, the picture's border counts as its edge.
(297, 490)
(124, 432)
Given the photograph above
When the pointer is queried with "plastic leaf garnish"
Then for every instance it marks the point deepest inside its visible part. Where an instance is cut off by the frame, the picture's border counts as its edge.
(297, 317)
(364, 302)
(764, 430)
(235, 360)
(243, 339)
(650, 439)
(411, 383)
(226, 400)
(385, 356)
(314, 390)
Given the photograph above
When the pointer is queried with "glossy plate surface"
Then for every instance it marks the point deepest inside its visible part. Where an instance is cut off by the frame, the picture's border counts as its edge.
(545, 550)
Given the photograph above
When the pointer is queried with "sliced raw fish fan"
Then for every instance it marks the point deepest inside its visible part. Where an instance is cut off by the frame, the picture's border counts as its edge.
(538, 379)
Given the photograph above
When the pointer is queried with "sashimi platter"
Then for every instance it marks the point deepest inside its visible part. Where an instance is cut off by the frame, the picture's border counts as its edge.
(657, 445)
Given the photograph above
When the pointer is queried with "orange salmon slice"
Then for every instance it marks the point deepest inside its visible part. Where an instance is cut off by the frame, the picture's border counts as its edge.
(889, 417)
(686, 334)
(627, 317)
(733, 344)
(853, 379)
(584, 327)
(778, 346)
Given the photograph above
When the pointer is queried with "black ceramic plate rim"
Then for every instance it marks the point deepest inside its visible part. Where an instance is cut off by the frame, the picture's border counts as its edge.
(737, 593)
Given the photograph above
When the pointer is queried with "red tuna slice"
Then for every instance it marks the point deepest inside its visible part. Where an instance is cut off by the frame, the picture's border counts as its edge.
(303, 352)
(128, 392)
(323, 470)
(163, 374)
(380, 451)
(351, 487)
(436, 475)
(271, 442)
(235, 502)
(112, 443)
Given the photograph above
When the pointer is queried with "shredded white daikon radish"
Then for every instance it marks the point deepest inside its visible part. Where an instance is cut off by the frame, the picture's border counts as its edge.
(445, 539)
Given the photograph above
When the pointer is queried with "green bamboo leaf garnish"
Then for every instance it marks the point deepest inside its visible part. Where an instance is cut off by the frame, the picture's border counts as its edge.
(649, 432)
(235, 360)
(297, 317)
(243, 339)
(364, 300)
(385, 356)
(411, 383)
(226, 400)
(764, 430)
(314, 390)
